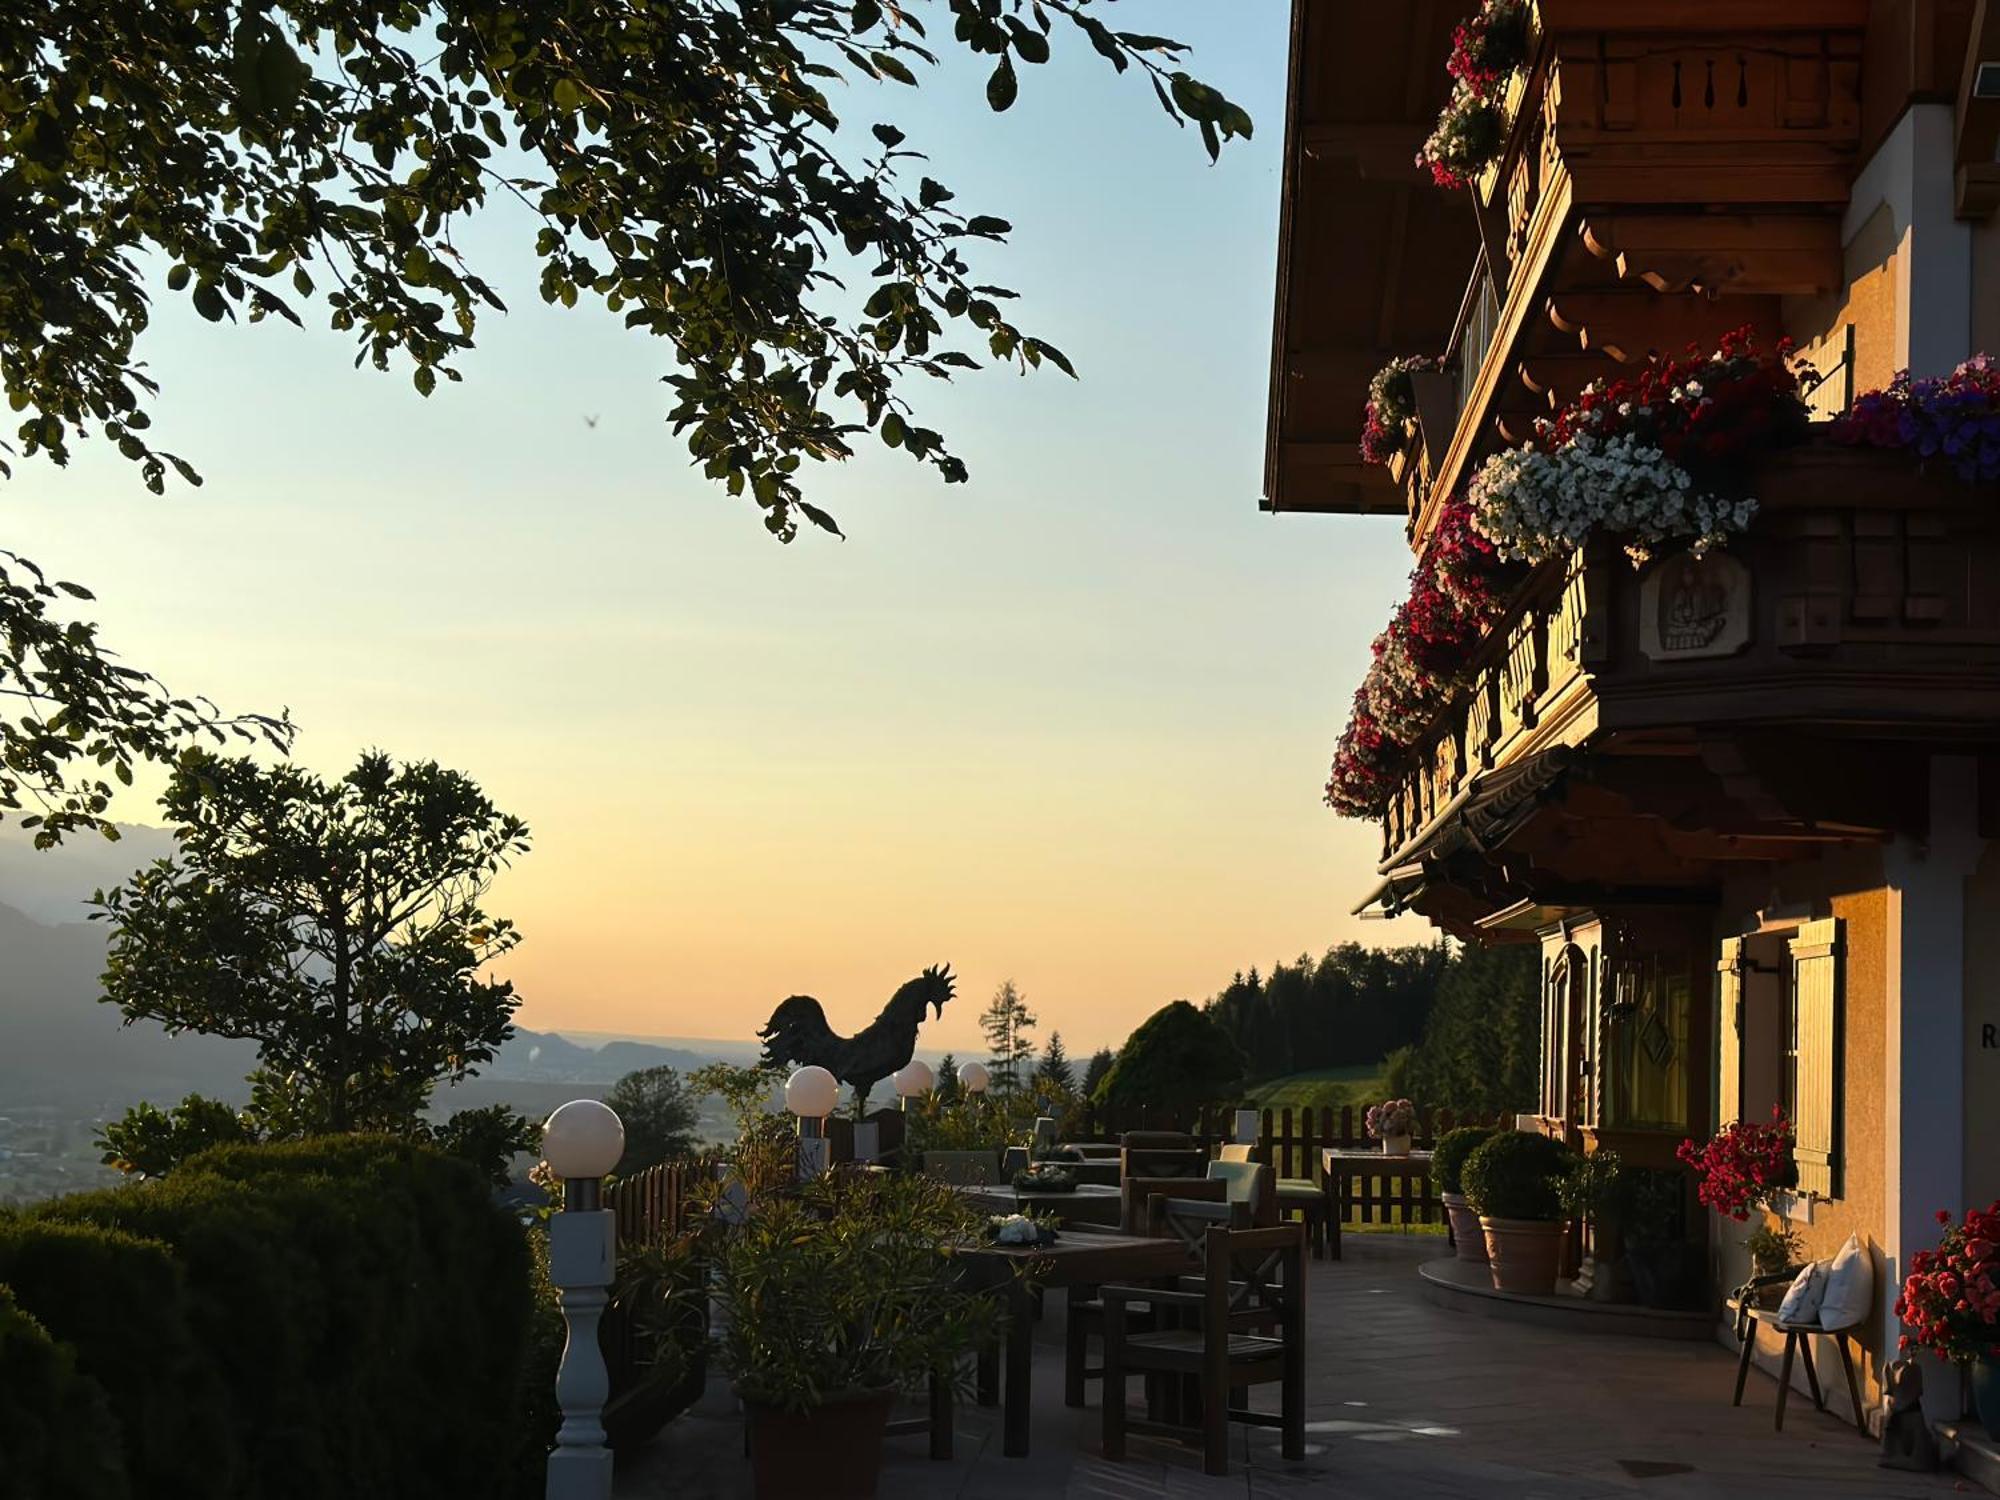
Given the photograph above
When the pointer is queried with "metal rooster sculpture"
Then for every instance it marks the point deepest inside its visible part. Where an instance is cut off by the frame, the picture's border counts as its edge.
(798, 1033)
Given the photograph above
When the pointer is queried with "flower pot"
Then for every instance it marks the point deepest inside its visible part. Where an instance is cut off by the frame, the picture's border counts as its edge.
(1524, 1254)
(1986, 1392)
(1465, 1230)
(832, 1451)
(1395, 1145)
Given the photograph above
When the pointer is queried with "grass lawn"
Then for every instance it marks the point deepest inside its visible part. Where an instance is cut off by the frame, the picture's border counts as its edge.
(1358, 1084)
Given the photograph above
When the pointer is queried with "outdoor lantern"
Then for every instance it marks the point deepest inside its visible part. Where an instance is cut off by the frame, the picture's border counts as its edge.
(811, 1093)
(914, 1078)
(973, 1077)
(582, 1143)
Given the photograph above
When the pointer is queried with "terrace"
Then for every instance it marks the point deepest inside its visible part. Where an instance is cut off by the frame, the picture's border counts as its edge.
(1405, 1399)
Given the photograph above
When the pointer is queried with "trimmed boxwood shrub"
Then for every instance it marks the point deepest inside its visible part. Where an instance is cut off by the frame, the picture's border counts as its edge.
(1514, 1176)
(58, 1439)
(120, 1304)
(359, 1304)
(1448, 1156)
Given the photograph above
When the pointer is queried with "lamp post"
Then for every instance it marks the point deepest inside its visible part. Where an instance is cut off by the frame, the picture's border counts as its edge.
(582, 1143)
(811, 1094)
(973, 1077)
(913, 1080)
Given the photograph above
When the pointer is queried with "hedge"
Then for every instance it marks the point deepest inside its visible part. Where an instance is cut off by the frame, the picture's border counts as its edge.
(58, 1439)
(337, 1317)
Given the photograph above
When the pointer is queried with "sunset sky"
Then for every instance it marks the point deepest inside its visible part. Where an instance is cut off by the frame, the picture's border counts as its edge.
(1068, 723)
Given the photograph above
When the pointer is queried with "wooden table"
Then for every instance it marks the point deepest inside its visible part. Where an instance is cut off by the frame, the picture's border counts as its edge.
(1089, 1203)
(1341, 1165)
(1078, 1257)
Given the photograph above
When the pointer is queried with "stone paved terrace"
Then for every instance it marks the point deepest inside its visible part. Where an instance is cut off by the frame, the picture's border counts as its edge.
(1405, 1401)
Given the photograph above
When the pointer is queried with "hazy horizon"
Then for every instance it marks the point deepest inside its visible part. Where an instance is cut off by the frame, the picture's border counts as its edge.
(1066, 724)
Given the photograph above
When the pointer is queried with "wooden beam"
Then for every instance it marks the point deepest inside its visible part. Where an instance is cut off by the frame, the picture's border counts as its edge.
(1784, 254)
(1632, 324)
(1376, 148)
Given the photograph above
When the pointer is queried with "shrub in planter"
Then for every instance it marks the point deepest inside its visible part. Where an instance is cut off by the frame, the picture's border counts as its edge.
(833, 1295)
(1598, 1188)
(330, 1285)
(1511, 1182)
(58, 1439)
(1447, 1164)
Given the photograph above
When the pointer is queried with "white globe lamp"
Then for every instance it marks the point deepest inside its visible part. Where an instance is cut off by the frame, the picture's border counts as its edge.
(811, 1093)
(973, 1077)
(913, 1080)
(582, 1142)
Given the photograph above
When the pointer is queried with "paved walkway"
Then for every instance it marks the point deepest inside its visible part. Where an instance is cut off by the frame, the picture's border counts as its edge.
(1405, 1401)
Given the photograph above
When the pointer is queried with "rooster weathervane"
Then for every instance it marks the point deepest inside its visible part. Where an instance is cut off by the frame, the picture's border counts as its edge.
(797, 1033)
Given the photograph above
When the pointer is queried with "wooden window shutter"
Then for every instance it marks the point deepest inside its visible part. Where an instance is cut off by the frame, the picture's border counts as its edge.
(1729, 1033)
(1816, 1017)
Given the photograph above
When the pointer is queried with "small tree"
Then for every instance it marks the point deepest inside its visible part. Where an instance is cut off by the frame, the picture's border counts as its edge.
(947, 1079)
(337, 925)
(1008, 1024)
(1180, 1057)
(659, 1114)
(1055, 1068)
(1094, 1071)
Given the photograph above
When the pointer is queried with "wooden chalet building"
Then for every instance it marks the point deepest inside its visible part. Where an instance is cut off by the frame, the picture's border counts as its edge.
(1748, 806)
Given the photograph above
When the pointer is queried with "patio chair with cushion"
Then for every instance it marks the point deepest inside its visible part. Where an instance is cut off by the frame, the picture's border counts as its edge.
(1251, 1184)
(1304, 1196)
(1250, 1275)
(1830, 1299)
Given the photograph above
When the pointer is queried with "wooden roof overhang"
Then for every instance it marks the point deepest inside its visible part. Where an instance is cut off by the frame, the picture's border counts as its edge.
(1370, 256)
(1642, 822)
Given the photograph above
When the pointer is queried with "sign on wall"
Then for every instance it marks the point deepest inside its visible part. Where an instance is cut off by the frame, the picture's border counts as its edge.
(1691, 607)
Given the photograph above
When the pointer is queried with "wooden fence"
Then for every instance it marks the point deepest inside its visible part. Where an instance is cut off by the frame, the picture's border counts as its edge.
(649, 1204)
(1291, 1140)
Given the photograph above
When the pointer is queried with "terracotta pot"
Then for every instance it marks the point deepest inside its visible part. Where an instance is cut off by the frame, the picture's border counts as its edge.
(832, 1452)
(1525, 1254)
(1395, 1145)
(1465, 1231)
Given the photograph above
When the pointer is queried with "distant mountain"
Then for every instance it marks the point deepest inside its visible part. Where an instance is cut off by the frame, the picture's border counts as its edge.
(545, 1057)
(51, 885)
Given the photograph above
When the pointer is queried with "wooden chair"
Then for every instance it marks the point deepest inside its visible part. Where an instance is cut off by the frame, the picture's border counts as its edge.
(1086, 1308)
(1160, 1153)
(1304, 1196)
(1248, 1275)
(1137, 1191)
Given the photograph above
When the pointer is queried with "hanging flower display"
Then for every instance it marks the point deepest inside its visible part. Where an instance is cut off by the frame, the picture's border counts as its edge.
(1743, 1165)
(1657, 458)
(1489, 45)
(1391, 408)
(1456, 592)
(1954, 417)
(1486, 49)
(1467, 138)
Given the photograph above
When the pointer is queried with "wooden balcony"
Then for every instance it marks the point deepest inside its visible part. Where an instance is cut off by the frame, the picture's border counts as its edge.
(1748, 705)
(1661, 184)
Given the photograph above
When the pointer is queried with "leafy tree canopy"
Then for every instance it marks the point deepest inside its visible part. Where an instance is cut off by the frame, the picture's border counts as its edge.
(659, 1111)
(78, 718)
(337, 925)
(1179, 1057)
(678, 159)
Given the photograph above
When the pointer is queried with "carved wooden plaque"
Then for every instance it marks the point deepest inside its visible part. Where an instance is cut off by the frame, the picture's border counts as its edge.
(1691, 607)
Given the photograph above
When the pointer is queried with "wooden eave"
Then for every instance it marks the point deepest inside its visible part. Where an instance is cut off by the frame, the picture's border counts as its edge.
(1364, 240)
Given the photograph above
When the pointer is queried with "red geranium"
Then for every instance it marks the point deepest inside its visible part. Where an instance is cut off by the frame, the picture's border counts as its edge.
(1743, 1166)
(1951, 1298)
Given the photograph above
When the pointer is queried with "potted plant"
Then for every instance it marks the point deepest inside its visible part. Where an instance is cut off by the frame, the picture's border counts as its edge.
(1658, 1257)
(1597, 1188)
(1391, 1122)
(1950, 1303)
(834, 1294)
(1511, 1184)
(1045, 1177)
(1447, 1166)
(1773, 1248)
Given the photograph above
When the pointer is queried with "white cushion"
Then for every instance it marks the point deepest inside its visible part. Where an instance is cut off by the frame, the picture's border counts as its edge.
(1850, 1286)
(1801, 1304)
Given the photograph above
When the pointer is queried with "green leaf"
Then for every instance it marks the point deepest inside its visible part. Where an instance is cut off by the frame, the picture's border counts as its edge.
(889, 136)
(988, 225)
(1002, 88)
(567, 95)
(892, 430)
(893, 66)
(866, 17)
(208, 302)
(177, 278)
